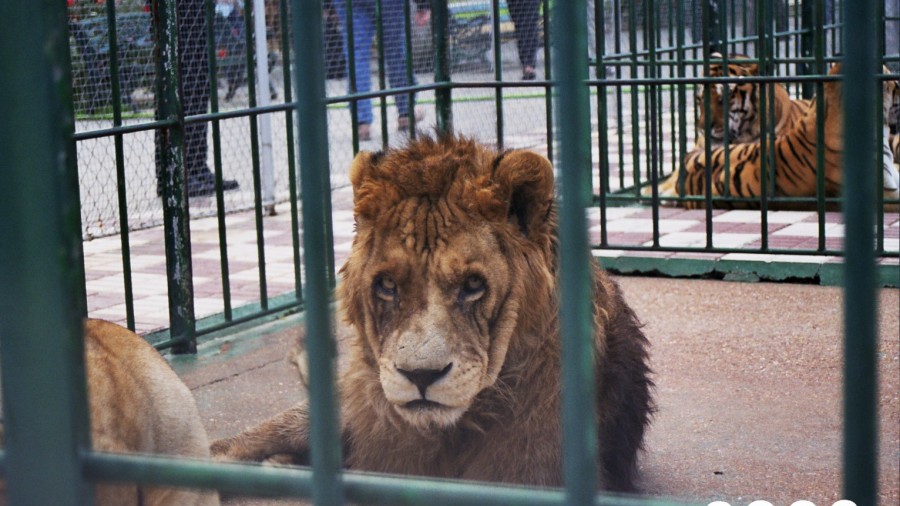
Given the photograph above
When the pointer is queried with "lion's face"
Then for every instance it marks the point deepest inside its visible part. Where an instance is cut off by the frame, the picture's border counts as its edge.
(435, 282)
(436, 316)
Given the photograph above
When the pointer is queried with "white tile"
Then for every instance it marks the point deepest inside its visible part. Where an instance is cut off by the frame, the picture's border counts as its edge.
(681, 239)
(811, 230)
(752, 257)
(748, 216)
(646, 225)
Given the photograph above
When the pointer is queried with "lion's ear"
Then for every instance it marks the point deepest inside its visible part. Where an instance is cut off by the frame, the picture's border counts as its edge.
(367, 184)
(526, 179)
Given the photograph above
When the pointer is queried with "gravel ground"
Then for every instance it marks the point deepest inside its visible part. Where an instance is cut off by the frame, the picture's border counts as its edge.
(748, 386)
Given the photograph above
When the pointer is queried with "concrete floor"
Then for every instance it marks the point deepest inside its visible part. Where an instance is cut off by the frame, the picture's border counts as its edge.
(748, 385)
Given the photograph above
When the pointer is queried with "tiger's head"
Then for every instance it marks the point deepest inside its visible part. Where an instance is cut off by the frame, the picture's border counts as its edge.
(742, 102)
(891, 101)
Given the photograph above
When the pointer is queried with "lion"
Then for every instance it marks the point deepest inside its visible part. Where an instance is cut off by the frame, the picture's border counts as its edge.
(454, 362)
(138, 404)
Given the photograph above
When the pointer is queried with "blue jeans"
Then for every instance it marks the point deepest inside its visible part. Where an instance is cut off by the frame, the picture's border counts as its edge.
(394, 43)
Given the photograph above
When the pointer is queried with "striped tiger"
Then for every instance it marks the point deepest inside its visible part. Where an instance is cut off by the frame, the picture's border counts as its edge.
(891, 135)
(743, 114)
(794, 154)
(743, 105)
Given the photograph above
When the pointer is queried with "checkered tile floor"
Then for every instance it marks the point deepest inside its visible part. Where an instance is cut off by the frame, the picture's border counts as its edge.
(625, 226)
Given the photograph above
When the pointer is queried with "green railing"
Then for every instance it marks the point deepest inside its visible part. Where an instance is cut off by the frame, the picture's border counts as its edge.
(647, 58)
(47, 457)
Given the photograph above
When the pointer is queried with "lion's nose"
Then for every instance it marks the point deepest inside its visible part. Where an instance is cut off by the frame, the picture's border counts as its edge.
(423, 378)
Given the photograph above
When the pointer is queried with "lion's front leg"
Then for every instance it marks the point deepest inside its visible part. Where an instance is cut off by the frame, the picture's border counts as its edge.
(285, 433)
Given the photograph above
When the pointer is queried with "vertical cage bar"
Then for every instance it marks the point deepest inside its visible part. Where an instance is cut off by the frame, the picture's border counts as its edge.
(286, 58)
(440, 20)
(602, 111)
(40, 260)
(217, 158)
(548, 75)
(498, 69)
(860, 302)
(252, 69)
(652, 113)
(309, 77)
(572, 106)
(120, 164)
(350, 45)
(382, 83)
(820, 129)
(809, 28)
(635, 102)
(410, 78)
(170, 165)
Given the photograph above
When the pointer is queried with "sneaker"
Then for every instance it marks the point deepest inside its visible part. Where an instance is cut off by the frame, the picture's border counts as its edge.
(528, 74)
(403, 121)
(364, 132)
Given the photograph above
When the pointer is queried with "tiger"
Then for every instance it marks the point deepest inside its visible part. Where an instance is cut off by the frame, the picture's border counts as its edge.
(743, 105)
(891, 134)
(794, 154)
(743, 114)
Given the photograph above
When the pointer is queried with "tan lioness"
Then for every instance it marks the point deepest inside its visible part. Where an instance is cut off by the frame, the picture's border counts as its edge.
(139, 405)
(454, 366)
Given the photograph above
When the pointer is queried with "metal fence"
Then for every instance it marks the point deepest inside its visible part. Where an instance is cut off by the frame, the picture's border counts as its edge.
(46, 460)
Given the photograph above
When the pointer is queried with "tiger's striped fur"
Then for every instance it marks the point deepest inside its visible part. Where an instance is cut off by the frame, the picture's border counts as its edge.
(743, 105)
(794, 155)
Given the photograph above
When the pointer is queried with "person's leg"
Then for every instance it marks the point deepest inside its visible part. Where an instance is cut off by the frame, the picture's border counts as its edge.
(393, 22)
(363, 37)
(524, 14)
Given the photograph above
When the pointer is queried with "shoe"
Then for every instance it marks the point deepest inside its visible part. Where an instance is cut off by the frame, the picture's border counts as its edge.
(364, 132)
(403, 121)
(205, 186)
(528, 74)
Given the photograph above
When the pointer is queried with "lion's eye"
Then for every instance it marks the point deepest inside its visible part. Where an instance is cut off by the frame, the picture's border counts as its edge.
(472, 288)
(385, 287)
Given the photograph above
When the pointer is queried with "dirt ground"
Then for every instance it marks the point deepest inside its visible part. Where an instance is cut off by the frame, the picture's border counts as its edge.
(748, 385)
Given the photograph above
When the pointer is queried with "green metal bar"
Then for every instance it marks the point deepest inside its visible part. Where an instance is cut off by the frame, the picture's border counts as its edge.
(808, 39)
(217, 158)
(763, 12)
(650, 30)
(382, 84)
(289, 138)
(41, 277)
(820, 124)
(440, 19)
(368, 488)
(250, 56)
(315, 190)
(177, 230)
(579, 389)
(602, 111)
(120, 164)
(548, 88)
(635, 107)
(410, 78)
(617, 26)
(860, 301)
(498, 70)
(682, 95)
(707, 186)
(351, 68)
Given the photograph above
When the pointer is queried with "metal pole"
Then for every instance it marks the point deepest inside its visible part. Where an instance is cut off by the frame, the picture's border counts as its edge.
(176, 219)
(444, 102)
(579, 388)
(263, 98)
(41, 276)
(315, 193)
(860, 302)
